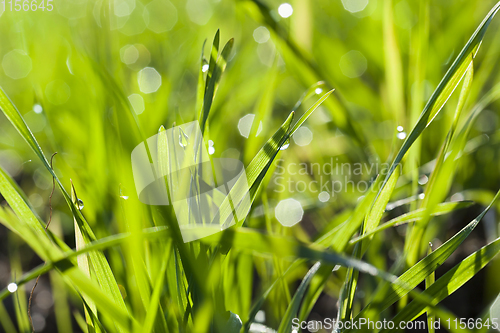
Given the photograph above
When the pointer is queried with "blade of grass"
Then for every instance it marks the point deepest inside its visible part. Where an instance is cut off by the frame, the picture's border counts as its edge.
(293, 307)
(443, 208)
(428, 282)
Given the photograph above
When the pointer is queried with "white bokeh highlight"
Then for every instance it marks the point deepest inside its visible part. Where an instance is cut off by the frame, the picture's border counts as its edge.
(303, 136)
(354, 6)
(137, 103)
(289, 212)
(12, 287)
(261, 35)
(149, 80)
(245, 125)
(353, 64)
(16, 64)
(285, 10)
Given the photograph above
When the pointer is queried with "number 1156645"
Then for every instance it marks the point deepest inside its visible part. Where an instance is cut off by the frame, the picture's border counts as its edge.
(26, 5)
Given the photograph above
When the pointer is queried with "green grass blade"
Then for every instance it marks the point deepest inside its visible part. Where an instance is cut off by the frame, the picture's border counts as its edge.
(393, 65)
(155, 299)
(416, 215)
(306, 115)
(293, 307)
(213, 78)
(428, 282)
(346, 298)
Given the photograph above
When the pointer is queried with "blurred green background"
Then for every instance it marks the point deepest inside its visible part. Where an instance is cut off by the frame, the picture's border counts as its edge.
(70, 71)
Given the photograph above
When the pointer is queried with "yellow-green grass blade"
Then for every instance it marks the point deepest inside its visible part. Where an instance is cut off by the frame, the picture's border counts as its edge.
(416, 215)
(293, 307)
(346, 298)
(213, 79)
(154, 303)
(428, 282)
(440, 179)
(83, 264)
(393, 65)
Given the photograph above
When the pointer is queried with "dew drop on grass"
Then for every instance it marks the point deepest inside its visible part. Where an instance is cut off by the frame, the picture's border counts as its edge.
(401, 135)
(285, 145)
(80, 204)
(204, 68)
(400, 128)
(183, 138)
(124, 197)
(318, 91)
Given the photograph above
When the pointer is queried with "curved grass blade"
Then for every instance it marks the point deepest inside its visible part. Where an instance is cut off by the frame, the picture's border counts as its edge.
(441, 177)
(215, 70)
(428, 282)
(346, 298)
(293, 307)
(416, 215)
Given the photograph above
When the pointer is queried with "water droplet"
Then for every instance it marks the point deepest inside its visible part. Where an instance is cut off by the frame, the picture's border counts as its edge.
(285, 145)
(401, 135)
(12, 287)
(211, 150)
(318, 91)
(183, 138)
(260, 317)
(421, 195)
(204, 68)
(80, 204)
(210, 143)
(400, 128)
(124, 197)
